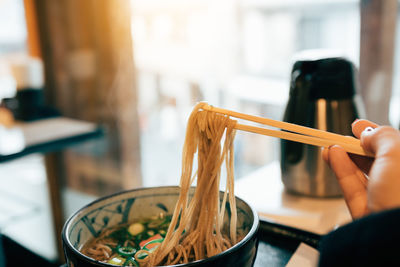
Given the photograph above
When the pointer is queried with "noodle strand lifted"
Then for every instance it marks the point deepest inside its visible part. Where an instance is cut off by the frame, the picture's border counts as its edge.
(195, 231)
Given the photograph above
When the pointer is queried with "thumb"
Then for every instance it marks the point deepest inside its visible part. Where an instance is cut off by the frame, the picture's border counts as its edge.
(384, 183)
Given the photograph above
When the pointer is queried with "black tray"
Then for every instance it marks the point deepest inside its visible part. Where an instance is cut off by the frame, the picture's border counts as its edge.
(279, 242)
(277, 245)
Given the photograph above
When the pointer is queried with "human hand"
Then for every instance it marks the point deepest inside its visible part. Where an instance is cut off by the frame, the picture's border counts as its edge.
(369, 184)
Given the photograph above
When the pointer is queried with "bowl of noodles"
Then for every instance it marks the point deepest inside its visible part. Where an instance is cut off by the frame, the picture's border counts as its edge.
(124, 229)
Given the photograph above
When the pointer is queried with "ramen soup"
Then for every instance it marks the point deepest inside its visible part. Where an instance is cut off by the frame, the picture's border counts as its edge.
(128, 244)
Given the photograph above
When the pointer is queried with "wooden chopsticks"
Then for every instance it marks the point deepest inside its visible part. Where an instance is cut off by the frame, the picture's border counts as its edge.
(293, 132)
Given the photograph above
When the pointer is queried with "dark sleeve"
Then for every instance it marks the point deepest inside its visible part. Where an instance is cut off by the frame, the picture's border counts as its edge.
(373, 240)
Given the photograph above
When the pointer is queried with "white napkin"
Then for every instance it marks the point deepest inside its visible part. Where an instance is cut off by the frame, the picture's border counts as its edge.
(304, 256)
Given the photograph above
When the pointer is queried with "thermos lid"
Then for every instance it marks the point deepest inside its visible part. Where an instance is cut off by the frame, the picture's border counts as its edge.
(328, 78)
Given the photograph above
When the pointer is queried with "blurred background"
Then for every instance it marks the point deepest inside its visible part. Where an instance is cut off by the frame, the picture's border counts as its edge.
(138, 67)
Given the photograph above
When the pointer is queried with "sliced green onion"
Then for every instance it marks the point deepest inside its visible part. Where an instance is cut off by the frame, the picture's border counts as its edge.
(131, 260)
(126, 251)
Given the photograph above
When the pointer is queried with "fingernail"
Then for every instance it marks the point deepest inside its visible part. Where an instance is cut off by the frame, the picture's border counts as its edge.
(368, 129)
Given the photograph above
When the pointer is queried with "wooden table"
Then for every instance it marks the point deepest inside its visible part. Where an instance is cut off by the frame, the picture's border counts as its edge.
(287, 220)
(264, 190)
(48, 137)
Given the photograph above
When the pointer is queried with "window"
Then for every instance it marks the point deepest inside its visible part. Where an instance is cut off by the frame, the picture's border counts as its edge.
(232, 54)
(12, 37)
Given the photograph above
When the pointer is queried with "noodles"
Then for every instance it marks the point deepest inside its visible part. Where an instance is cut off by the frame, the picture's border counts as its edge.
(197, 228)
(195, 231)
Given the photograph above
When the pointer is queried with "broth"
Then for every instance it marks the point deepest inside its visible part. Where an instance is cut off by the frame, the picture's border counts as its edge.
(128, 244)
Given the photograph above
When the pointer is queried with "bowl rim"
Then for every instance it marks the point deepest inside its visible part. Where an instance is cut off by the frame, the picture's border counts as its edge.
(66, 242)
